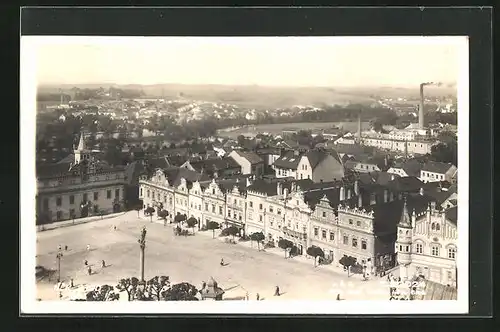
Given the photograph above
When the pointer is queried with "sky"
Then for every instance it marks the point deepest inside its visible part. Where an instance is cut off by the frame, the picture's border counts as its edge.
(266, 61)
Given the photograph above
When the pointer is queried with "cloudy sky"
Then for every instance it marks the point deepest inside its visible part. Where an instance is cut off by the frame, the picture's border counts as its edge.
(273, 61)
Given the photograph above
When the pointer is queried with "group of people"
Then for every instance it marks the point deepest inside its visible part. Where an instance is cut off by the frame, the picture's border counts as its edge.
(89, 268)
(60, 248)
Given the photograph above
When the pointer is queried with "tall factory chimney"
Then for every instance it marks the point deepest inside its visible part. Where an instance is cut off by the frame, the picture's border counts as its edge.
(421, 123)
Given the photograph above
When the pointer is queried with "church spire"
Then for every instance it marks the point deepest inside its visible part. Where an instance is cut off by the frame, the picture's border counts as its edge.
(405, 217)
(81, 143)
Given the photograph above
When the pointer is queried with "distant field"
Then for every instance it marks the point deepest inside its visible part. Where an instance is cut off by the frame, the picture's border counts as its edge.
(277, 128)
(257, 97)
(263, 97)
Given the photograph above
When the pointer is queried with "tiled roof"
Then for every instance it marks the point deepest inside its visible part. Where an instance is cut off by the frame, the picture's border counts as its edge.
(215, 164)
(315, 157)
(412, 167)
(405, 184)
(174, 176)
(132, 172)
(436, 167)
(52, 170)
(176, 161)
(387, 215)
(451, 214)
(289, 161)
(252, 157)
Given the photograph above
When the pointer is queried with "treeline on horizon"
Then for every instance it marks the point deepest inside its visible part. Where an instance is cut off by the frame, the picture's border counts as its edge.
(86, 94)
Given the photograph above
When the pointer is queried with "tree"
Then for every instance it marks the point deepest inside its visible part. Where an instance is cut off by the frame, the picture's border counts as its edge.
(179, 218)
(258, 237)
(149, 212)
(163, 214)
(315, 252)
(156, 286)
(347, 262)
(212, 225)
(241, 140)
(102, 293)
(231, 230)
(191, 222)
(129, 285)
(180, 292)
(285, 245)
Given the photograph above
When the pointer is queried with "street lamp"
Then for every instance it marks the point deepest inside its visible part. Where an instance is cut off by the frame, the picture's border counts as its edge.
(59, 256)
(142, 246)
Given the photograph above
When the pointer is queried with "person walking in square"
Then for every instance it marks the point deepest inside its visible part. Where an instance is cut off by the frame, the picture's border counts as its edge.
(258, 297)
(277, 291)
(88, 247)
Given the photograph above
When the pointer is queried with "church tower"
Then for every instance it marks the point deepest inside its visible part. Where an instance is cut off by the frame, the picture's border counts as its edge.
(81, 152)
(404, 240)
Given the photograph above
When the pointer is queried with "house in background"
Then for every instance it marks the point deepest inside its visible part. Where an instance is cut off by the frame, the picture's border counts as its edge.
(320, 166)
(411, 167)
(250, 162)
(434, 171)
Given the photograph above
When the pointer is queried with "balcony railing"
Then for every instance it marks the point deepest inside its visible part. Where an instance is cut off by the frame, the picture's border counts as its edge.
(295, 234)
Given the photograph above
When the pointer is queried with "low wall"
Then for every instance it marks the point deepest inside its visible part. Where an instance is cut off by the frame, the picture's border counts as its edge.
(66, 223)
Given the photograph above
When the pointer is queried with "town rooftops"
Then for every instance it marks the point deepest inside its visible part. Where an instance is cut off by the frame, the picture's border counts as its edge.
(174, 176)
(252, 157)
(290, 160)
(215, 164)
(451, 214)
(53, 170)
(405, 184)
(437, 167)
(411, 167)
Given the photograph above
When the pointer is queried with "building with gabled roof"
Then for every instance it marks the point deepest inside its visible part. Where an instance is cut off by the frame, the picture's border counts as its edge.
(78, 188)
(434, 171)
(249, 162)
(427, 245)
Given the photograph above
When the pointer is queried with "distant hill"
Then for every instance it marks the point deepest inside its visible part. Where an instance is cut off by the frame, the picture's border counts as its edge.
(259, 97)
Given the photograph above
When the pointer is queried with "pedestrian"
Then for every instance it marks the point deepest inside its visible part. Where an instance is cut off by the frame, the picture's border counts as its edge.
(277, 291)
(103, 263)
(338, 297)
(88, 247)
(89, 270)
(71, 283)
(59, 247)
(258, 297)
(203, 285)
(86, 263)
(114, 227)
(222, 262)
(246, 296)
(66, 247)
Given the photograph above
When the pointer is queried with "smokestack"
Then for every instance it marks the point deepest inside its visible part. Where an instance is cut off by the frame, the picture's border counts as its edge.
(386, 194)
(421, 123)
(278, 188)
(360, 201)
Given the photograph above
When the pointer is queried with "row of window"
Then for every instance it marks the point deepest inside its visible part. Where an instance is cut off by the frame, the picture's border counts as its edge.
(59, 199)
(435, 250)
(432, 175)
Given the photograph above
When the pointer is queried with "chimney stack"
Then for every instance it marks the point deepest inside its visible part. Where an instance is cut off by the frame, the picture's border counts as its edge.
(349, 193)
(421, 122)
(360, 201)
(342, 194)
(285, 193)
(385, 196)
(356, 187)
(278, 188)
(422, 191)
